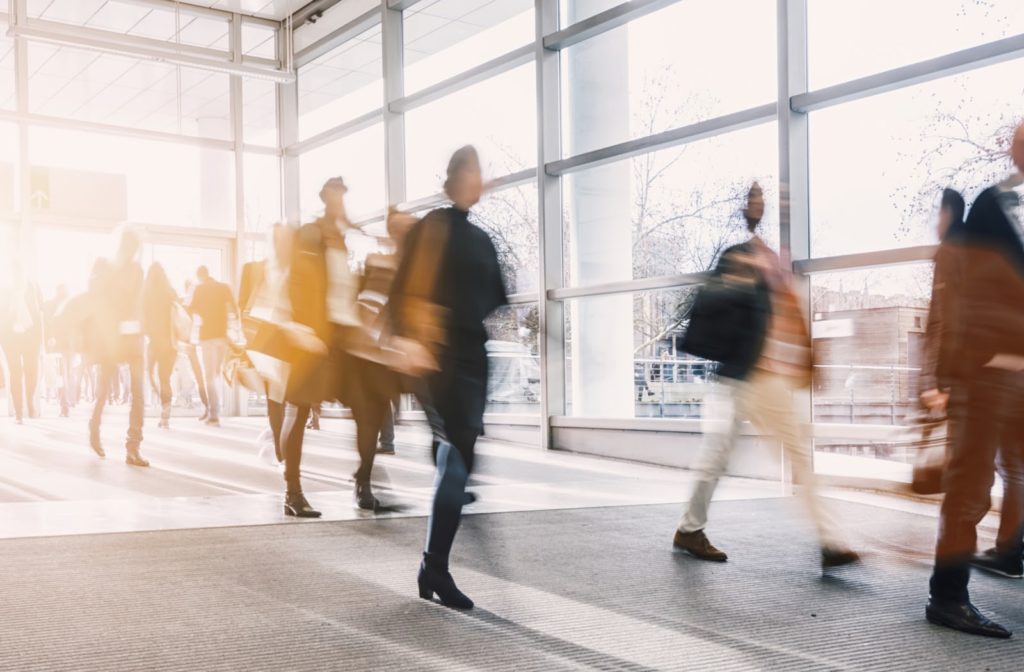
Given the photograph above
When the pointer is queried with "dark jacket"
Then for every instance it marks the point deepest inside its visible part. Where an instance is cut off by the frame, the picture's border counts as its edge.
(977, 303)
(212, 302)
(468, 286)
(158, 319)
(729, 319)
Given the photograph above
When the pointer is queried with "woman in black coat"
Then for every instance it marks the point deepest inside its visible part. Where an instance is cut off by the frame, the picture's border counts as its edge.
(449, 281)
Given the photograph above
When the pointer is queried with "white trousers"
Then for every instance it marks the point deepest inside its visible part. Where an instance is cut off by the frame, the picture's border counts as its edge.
(766, 400)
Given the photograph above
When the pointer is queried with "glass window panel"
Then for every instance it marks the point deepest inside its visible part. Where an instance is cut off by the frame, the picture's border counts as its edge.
(182, 261)
(513, 381)
(65, 256)
(868, 328)
(498, 116)
(262, 191)
(342, 84)
(259, 112)
(878, 165)
(623, 358)
(9, 168)
(105, 88)
(675, 67)
(359, 160)
(259, 40)
(847, 40)
(670, 211)
(510, 217)
(8, 89)
(445, 37)
(98, 176)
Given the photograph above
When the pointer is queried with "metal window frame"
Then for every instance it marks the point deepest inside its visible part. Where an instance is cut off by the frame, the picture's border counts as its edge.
(338, 37)
(602, 22)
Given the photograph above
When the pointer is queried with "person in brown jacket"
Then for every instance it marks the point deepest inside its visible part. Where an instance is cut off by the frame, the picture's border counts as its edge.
(976, 360)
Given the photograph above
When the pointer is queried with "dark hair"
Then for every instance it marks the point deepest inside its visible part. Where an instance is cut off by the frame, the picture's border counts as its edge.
(755, 190)
(156, 281)
(202, 272)
(334, 183)
(954, 202)
(463, 158)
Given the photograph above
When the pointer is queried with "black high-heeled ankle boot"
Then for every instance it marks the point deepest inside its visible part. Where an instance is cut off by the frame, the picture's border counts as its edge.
(435, 579)
(295, 504)
(365, 499)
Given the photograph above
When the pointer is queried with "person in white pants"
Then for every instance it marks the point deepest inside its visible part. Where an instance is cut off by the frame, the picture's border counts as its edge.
(748, 319)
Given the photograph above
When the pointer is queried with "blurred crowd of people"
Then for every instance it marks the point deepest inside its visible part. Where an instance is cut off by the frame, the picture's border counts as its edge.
(316, 327)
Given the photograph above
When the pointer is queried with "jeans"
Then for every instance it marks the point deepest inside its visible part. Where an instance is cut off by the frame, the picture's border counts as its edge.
(766, 399)
(984, 420)
(454, 461)
(161, 361)
(215, 351)
(107, 375)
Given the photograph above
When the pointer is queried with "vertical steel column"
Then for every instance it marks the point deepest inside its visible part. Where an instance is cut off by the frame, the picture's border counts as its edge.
(794, 182)
(394, 88)
(549, 221)
(25, 225)
(288, 130)
(235, 250)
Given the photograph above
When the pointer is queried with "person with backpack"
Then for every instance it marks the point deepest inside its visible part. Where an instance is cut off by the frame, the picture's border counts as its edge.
(748, 319)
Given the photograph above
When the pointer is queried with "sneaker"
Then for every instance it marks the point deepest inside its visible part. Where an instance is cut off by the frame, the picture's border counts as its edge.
(212, 422)
(1010, 566)
(697, 545)
(386, 449)
(832, 557)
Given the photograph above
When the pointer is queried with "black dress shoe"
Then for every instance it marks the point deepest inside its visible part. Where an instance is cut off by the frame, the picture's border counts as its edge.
(364, 497)
(295, 504)
(963, 616)
(433, 580)
(1009, 565)
(831, 557)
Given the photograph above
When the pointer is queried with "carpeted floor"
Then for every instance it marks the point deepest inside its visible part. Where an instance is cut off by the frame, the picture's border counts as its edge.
(556, 590)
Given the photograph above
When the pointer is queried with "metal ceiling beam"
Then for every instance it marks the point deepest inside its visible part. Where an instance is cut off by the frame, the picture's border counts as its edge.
(316, 7)
(602, 22)
(337, 37)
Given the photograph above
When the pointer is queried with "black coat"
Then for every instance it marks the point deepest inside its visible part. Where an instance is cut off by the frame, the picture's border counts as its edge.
(468, 287)
(730, 315)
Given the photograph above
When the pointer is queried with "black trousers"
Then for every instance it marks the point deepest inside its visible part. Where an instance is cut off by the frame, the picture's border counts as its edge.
(985, 420)
(108, 374)
(161, 362)
(23, 351)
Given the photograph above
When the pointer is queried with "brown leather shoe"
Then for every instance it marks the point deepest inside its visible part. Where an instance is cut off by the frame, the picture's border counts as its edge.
(832, 557)
(697, 545)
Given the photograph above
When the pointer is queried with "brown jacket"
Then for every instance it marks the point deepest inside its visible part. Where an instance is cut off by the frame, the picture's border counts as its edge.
(977, 304)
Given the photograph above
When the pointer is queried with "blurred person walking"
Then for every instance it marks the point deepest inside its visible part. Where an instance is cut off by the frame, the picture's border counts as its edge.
(448, 282)
(322, 295)
(212, 302)
(159, 308)
(116, 338)
(263, 298)
(976, 365)
(58, 345)
(748, 318)
(21, 334)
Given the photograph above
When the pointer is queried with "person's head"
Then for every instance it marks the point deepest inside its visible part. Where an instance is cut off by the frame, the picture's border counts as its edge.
(282, 240)
(128, 244)
(951, 211)
(753, 211)
(465, 183)
(1017, 148)
(333, 196)
(157, 280)
(203, 274)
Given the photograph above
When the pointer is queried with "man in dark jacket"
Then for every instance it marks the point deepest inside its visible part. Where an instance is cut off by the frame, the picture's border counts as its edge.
(213, 302)
(748, 319)
(977, 365)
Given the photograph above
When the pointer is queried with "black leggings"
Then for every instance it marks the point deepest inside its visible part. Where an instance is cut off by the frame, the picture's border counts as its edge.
(293, 434)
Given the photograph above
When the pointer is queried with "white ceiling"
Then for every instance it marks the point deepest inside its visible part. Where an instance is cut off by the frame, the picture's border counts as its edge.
(79, 11)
